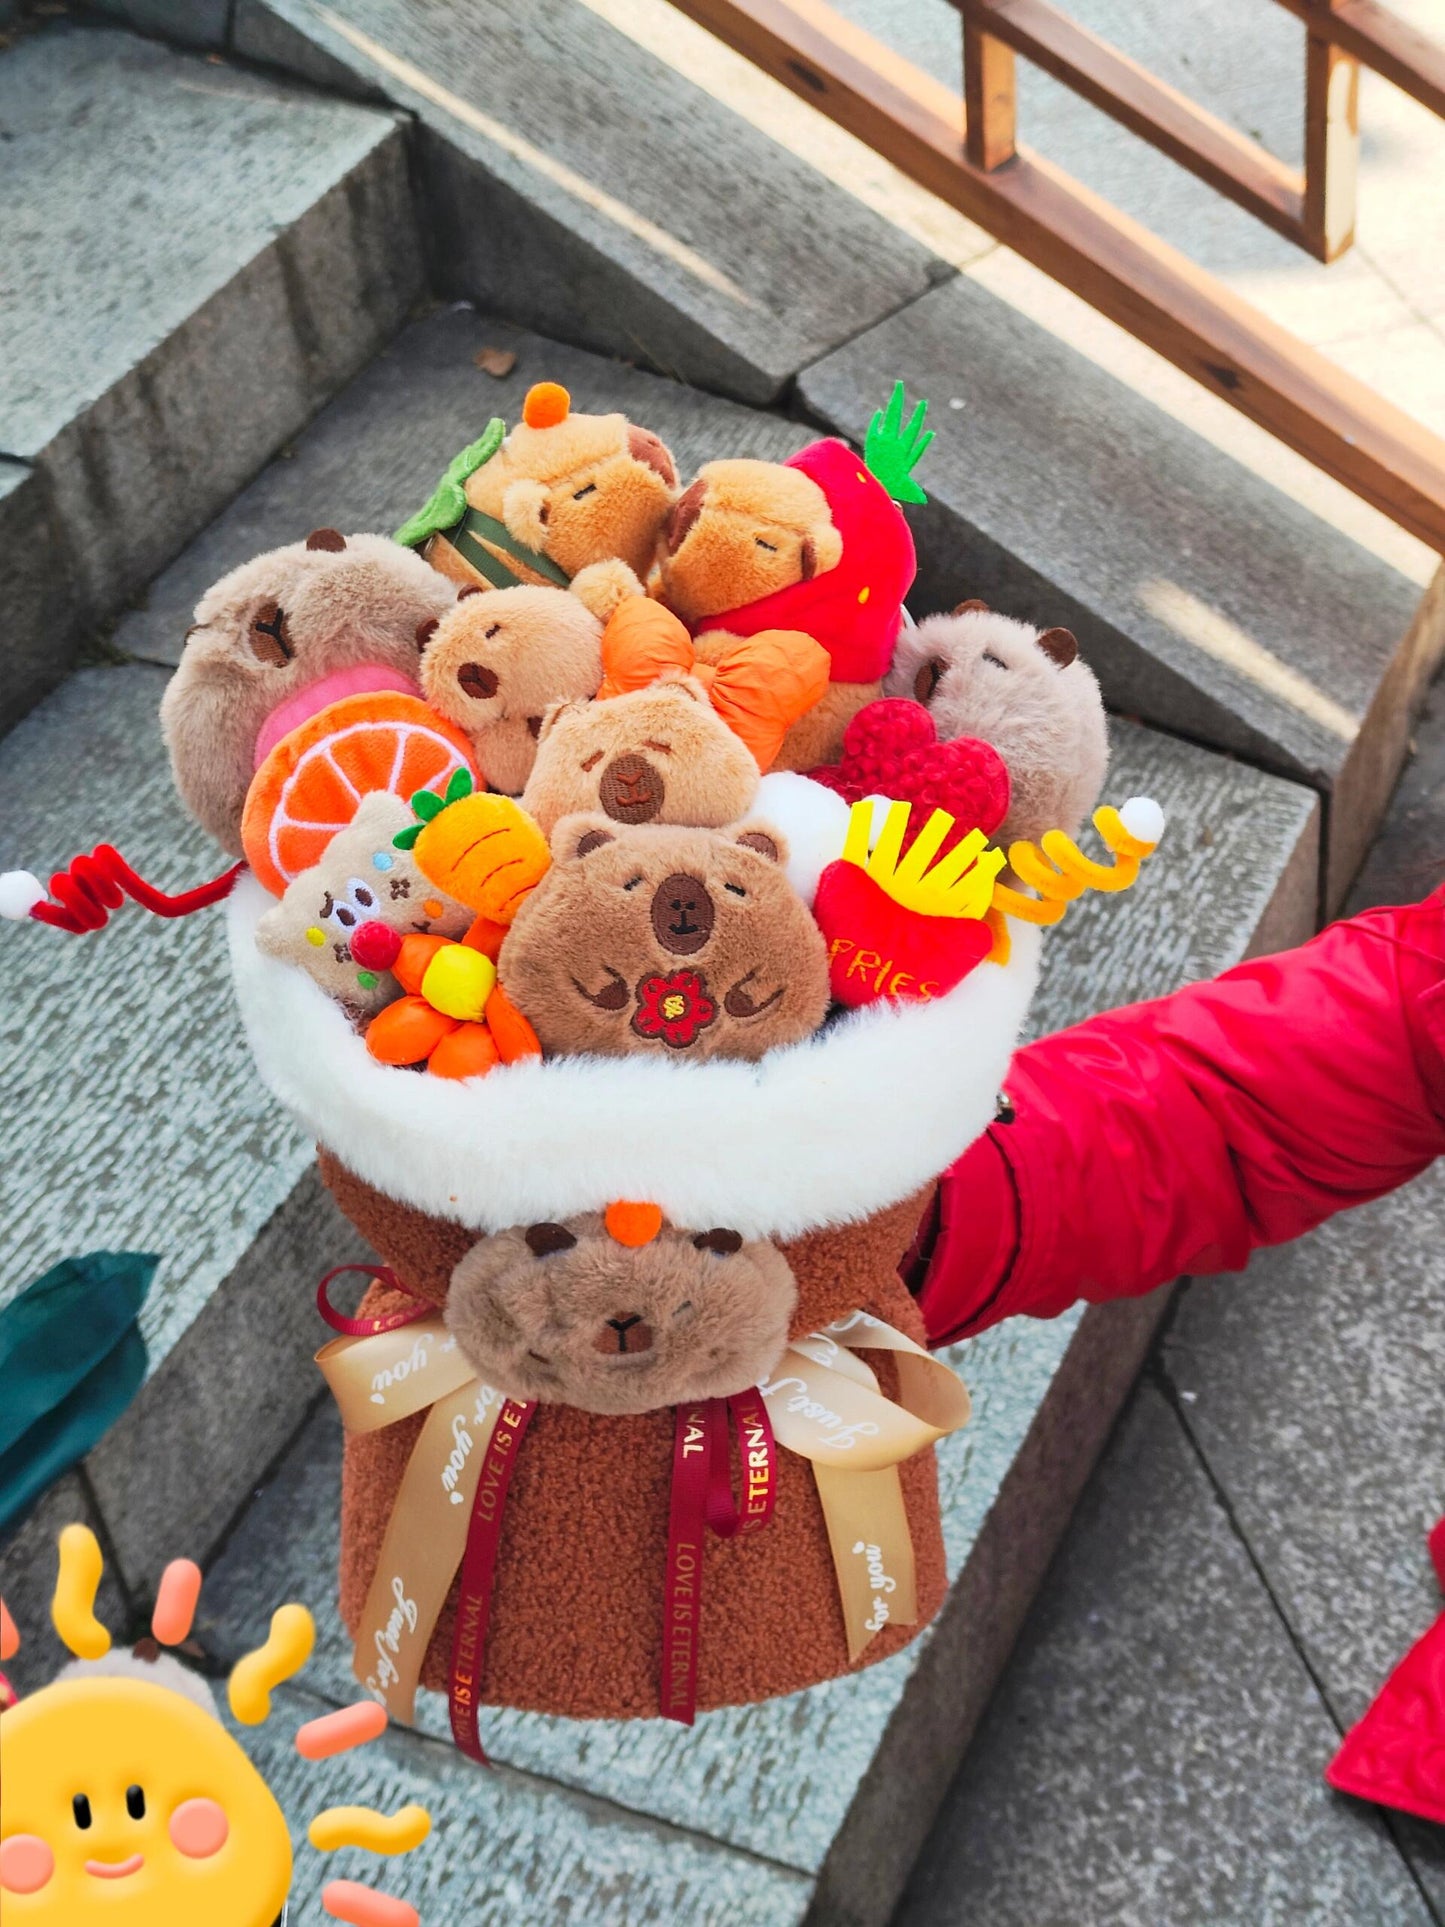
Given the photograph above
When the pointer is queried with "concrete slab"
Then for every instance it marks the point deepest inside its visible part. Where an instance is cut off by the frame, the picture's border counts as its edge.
(1209, 602)
(579, 184)
(185, 23)
(41, 621)
(374, 454)
(840, 1783)
(1153, 1757)
(184, 285)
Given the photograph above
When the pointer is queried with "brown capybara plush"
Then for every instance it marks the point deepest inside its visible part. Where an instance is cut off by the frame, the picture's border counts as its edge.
(498, 661)
(584, 1533)
(666, 941)
(656, 755)
(275, 641)
(565, 1314)
(588, 494)
(1025, 691)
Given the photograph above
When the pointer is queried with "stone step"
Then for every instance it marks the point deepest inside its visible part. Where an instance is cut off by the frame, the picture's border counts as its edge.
(194, 259)
(576, 182)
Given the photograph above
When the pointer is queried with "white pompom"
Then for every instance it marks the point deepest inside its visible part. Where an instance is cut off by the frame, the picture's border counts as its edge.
(814, 823)
(19, 894)
(1143, 819)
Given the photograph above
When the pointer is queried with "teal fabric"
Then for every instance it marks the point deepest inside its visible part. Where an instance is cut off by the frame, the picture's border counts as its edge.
(71, 1360)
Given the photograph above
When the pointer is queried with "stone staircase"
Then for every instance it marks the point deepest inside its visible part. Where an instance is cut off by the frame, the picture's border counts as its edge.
(188, 387)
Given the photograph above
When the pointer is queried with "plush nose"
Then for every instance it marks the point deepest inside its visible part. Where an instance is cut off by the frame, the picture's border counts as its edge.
(627, 1334)
(631, 790)
(682, 914)
(477, 681)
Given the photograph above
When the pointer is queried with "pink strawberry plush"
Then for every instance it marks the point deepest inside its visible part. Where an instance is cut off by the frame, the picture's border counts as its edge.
(891, 748)
(877, 948)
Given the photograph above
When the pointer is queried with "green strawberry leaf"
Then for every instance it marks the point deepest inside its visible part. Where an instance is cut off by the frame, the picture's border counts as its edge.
(447, 504)
(892, 450)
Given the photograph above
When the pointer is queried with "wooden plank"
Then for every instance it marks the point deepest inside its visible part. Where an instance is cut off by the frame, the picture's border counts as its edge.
(1384, 42)
(1231, 163)
(1148, 287)
(990, 98)
(1332, 139)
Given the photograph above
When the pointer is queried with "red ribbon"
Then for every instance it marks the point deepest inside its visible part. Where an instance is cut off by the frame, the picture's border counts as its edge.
(703, 1501)
(479, 1565)
(368, 1327)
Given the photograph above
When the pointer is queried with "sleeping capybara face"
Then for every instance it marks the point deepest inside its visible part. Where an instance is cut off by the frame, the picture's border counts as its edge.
(496, 662)
(655, 755)
(741, 531)
(674, 942)
(275, 641)
(565, 1314)
(1027, 692)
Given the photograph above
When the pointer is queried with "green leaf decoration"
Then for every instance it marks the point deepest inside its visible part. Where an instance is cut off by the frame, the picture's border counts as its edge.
(447, 503)
(893, 450)
(406, 839)
(459, 786)
(426, 804)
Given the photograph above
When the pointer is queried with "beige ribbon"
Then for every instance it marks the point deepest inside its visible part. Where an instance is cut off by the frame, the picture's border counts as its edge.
(822, 1400)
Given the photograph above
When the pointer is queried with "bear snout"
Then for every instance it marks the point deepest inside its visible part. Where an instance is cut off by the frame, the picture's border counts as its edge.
(631, 790)
(683, 914)
(478, 682)
(626, 1335)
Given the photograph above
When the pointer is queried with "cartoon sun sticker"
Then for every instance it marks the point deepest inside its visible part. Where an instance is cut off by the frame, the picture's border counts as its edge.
(124, 1802)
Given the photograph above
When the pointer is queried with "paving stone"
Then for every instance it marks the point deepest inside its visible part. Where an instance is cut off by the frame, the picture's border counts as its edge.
(578, 184)
(1154, 1755)
(840, 1782)
(40, 617)
(185, 23)
(1208, 602)
(373, 455)
(182, 286)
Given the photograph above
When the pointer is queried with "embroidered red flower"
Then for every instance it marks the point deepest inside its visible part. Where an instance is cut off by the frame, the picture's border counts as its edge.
(673, 1008)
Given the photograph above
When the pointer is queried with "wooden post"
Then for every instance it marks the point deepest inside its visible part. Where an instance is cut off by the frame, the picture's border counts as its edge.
(989, 95)
(1332, 142)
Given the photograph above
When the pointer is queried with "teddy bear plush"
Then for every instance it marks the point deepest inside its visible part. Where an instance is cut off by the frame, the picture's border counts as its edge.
(572, 500)
(666, 940)
(277, 640)
(1027, 692)
(362, 879)
(497, 662)
(568, 1315)
(660, 754)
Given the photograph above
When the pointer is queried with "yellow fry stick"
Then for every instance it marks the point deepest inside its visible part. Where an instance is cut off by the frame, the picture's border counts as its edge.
(72, 1609)
(925, 847)
(293, 1634)
(366, 1828)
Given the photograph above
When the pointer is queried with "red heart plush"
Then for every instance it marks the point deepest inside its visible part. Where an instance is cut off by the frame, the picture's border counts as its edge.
(878, 949)
(891, 748)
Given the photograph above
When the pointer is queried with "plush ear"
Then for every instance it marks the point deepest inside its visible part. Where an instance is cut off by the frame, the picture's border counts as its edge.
(524, 510)
(331, 540)
(824, 546)
(551, 716)
(684, 512)
(973, 607)
(578, 836)
(1059, 646)
(763, 838)
(649, 449)
(684, 685)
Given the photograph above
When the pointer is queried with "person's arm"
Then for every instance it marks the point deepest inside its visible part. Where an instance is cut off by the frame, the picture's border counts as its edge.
(1177, 1136)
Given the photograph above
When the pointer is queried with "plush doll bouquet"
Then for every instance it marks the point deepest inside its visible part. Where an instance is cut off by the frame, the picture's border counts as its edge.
(632, 1048)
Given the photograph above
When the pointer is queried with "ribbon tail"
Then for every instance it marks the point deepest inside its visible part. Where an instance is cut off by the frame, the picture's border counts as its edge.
(872, 1550)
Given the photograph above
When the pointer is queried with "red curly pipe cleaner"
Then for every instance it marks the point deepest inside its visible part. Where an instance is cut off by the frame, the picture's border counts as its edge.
(92, 886)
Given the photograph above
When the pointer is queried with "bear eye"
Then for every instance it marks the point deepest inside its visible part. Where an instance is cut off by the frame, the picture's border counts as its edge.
(591, 489)
(135, 1802)
(718, 1240)
(771, 547)
(80, 1807)
(544, 1239)
(592, 761)
(997, 661)
(736, 888)
(632, 882)
(494, 630)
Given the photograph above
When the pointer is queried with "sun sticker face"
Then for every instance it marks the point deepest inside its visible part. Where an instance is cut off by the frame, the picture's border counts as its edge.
(125, 1803)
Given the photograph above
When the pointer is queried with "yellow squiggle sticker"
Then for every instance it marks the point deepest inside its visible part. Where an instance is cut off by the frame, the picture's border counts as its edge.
(254, 1677)
(366, 1828)
(72, 1610)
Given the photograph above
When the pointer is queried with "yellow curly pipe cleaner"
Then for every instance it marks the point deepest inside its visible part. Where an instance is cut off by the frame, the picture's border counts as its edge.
(1058, 869)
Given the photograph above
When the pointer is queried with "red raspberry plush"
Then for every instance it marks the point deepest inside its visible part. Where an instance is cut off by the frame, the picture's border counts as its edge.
(877, 949)
(891, 748)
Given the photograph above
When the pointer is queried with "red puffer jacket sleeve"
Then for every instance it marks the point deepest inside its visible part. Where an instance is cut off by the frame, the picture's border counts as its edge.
(1176, 1136)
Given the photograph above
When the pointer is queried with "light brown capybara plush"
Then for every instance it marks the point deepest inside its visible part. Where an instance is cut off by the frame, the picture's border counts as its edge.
(498, 661)
(277, 638)
(668, 941)
(656, 755)
(584, 1534)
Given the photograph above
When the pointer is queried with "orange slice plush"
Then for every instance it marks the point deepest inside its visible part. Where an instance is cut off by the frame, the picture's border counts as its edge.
(312, 783)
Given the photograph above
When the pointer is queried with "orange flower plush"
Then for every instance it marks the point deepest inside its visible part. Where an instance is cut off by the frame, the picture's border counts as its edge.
(455, 1018)
(759, 686)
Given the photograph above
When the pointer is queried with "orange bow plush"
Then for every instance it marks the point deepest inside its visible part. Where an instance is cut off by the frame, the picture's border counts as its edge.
(759, 686)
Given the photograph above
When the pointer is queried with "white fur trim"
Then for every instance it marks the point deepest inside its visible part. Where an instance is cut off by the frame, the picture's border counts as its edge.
(824, 1132)
(814, 823)
(19, 894)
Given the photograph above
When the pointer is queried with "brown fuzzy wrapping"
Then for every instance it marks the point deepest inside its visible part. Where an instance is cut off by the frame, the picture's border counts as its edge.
(576, 1625)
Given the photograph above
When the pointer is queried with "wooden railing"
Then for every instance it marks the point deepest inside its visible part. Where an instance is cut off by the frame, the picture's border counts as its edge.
(964, 149)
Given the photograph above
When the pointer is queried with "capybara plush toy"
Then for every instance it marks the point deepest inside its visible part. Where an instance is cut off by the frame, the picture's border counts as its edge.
(498, 661)
(573, 500)
(566, 1314)
(666, 941)
(656, 755)
(1026, 691)
(277, 640)
(363, 878)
